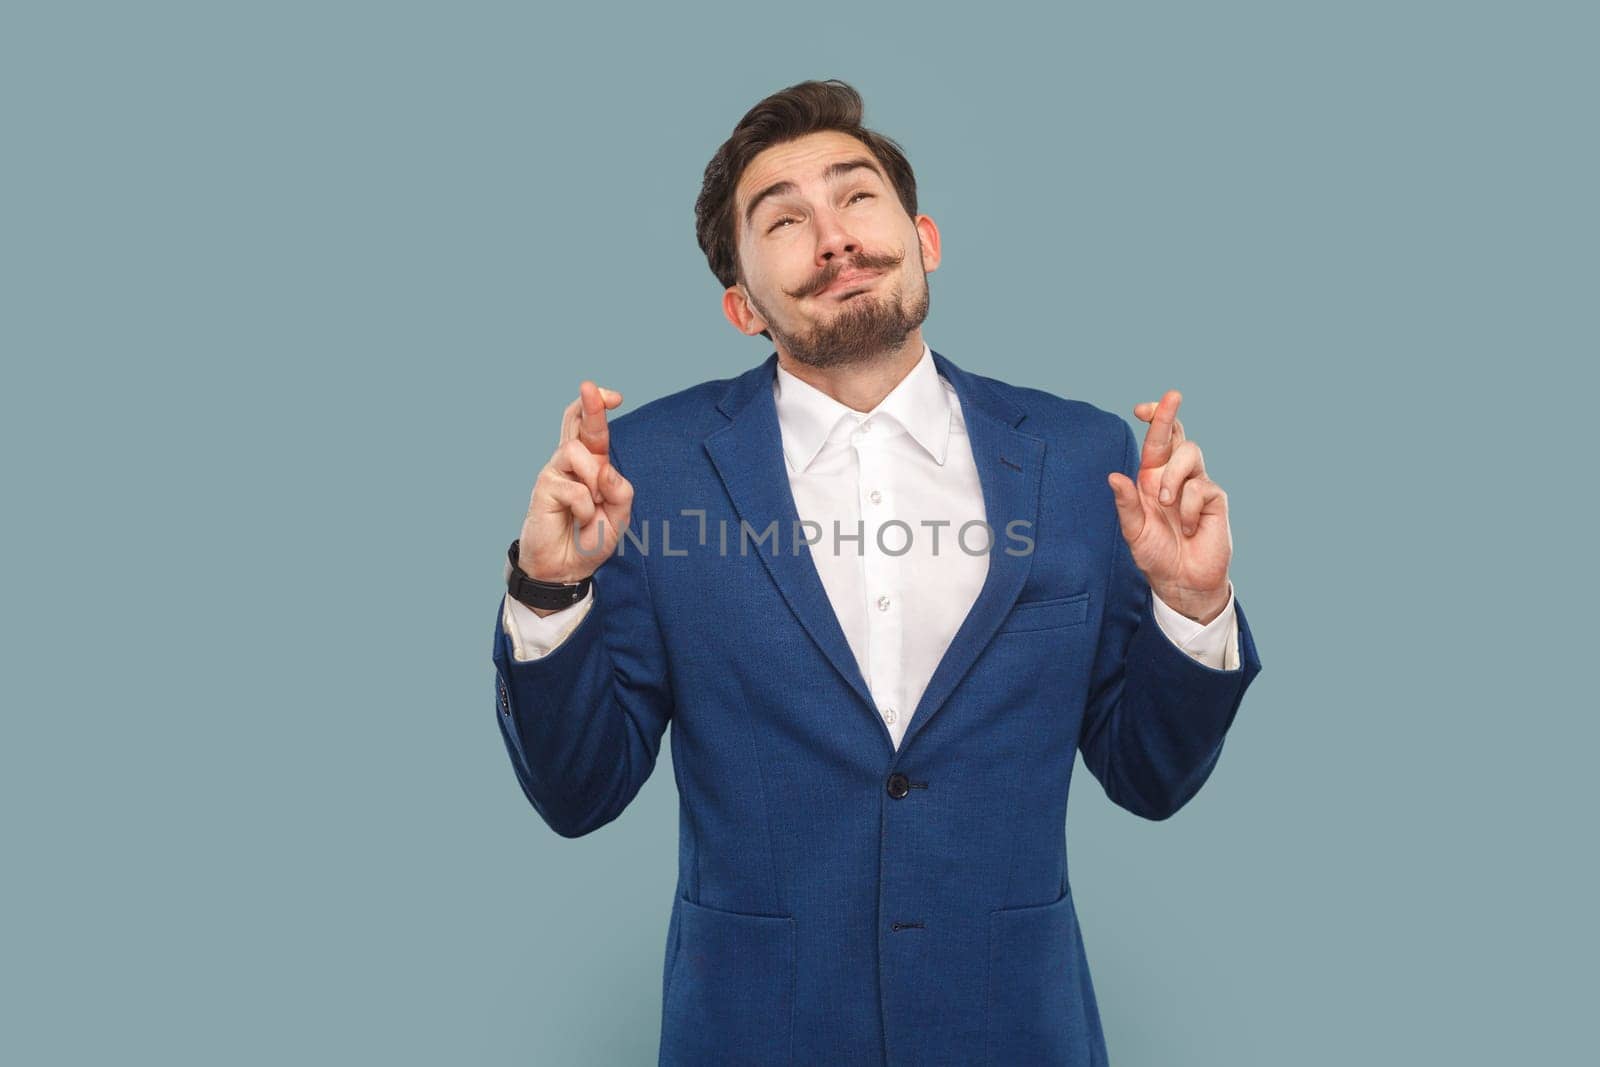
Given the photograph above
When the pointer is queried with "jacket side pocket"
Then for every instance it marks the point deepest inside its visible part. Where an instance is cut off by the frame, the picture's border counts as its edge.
(1035, 1007)
(730, 994)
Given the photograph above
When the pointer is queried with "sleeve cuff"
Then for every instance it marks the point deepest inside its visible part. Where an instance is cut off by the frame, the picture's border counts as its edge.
(1216, 644)
(534, 635)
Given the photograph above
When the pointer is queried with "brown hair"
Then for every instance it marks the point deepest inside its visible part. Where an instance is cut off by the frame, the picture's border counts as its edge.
(787, 115)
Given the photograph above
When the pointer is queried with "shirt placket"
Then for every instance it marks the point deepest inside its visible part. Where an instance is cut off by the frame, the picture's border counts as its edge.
(881, 574)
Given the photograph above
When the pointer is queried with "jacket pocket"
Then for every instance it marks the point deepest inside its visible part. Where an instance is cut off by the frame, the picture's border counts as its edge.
(1046, 614)
(731, 989)
(1035, 1009)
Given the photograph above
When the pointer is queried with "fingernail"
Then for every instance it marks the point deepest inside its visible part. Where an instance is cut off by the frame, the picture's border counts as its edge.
(1166, 495)
(1188, 531)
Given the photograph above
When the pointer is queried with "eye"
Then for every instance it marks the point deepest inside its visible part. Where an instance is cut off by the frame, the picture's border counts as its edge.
(780, 222)
(853, 196)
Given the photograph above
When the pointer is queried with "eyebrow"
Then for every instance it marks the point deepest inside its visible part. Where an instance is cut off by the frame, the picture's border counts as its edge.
(835, 170)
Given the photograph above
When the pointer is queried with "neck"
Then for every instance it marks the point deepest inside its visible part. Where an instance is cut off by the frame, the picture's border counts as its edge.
(862, 384)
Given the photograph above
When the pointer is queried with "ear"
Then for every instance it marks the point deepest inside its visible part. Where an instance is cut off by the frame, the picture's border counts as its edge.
(928, 238)
(737, 308)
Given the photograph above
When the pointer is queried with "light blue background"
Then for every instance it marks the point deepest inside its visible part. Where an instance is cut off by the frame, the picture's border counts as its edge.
(293, 297)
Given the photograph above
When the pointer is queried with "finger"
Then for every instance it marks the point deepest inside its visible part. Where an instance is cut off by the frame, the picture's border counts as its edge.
(569, 421)
(571, 496)
(1211, 500)
(592, 429)
(614, 488)
(1196, 491)
(1186, 463)
(574, 458)
(1146, 408)
(618, 503)
(1158, 439)
(572, 417)
(1130, 509)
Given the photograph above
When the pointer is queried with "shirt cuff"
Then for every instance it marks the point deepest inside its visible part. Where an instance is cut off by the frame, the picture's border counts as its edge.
(534, 635)
(1216, 644)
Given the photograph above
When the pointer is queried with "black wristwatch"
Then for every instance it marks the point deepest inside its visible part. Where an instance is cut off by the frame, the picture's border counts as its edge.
(546, 596)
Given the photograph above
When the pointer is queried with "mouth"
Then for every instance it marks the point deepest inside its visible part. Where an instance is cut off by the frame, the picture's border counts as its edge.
(850, 283)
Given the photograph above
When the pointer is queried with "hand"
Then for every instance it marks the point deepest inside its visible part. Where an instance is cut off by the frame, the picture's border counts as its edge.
(580, 504)
(1175, 519)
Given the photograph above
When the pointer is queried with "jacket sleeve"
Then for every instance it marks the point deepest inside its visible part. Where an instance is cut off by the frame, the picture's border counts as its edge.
(583, 723)
(1154, 718)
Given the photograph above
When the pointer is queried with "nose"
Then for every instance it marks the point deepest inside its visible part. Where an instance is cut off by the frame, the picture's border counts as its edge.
(833, 239)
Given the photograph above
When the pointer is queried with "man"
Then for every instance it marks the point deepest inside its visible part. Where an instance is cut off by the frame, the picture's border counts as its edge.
(883, 600)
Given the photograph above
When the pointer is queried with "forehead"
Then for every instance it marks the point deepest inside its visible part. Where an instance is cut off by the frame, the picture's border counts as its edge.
(801, 161)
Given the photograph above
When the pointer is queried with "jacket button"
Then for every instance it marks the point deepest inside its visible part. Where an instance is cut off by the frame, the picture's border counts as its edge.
(899, 785)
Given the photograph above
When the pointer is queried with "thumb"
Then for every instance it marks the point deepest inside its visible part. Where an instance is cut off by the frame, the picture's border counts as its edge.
(1130, 509)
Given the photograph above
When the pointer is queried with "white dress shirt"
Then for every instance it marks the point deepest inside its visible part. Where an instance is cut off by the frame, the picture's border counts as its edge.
(900, 593)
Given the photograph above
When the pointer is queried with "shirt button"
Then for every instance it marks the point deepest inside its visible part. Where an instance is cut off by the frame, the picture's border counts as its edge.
(866, 425)
(875, 496)
(889, 715)
(883, 603)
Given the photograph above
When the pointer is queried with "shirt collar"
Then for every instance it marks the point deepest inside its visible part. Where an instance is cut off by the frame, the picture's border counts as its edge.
(807, 416)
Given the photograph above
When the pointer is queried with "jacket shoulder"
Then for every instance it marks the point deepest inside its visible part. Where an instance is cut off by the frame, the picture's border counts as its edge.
(1060, 419)
(663, 428)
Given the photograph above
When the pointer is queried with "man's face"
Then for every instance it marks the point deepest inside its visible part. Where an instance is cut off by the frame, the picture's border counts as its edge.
(830, 262)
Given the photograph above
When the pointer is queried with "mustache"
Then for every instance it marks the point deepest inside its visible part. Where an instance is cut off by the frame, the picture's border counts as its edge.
(865, 261)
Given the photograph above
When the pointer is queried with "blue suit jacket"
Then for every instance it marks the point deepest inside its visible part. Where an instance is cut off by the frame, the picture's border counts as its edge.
(840, 901)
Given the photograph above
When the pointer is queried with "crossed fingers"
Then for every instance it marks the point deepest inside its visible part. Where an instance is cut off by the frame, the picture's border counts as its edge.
(1184, 484)
(585, 417)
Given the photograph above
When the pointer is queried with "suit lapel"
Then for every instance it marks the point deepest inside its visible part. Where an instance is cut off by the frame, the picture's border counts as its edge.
(748, 456)
(1010, 465)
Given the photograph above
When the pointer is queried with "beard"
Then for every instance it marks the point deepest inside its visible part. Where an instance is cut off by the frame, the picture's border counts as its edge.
(865, 327)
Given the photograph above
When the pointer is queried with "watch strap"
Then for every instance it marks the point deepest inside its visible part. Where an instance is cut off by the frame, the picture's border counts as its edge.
(546, 596)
